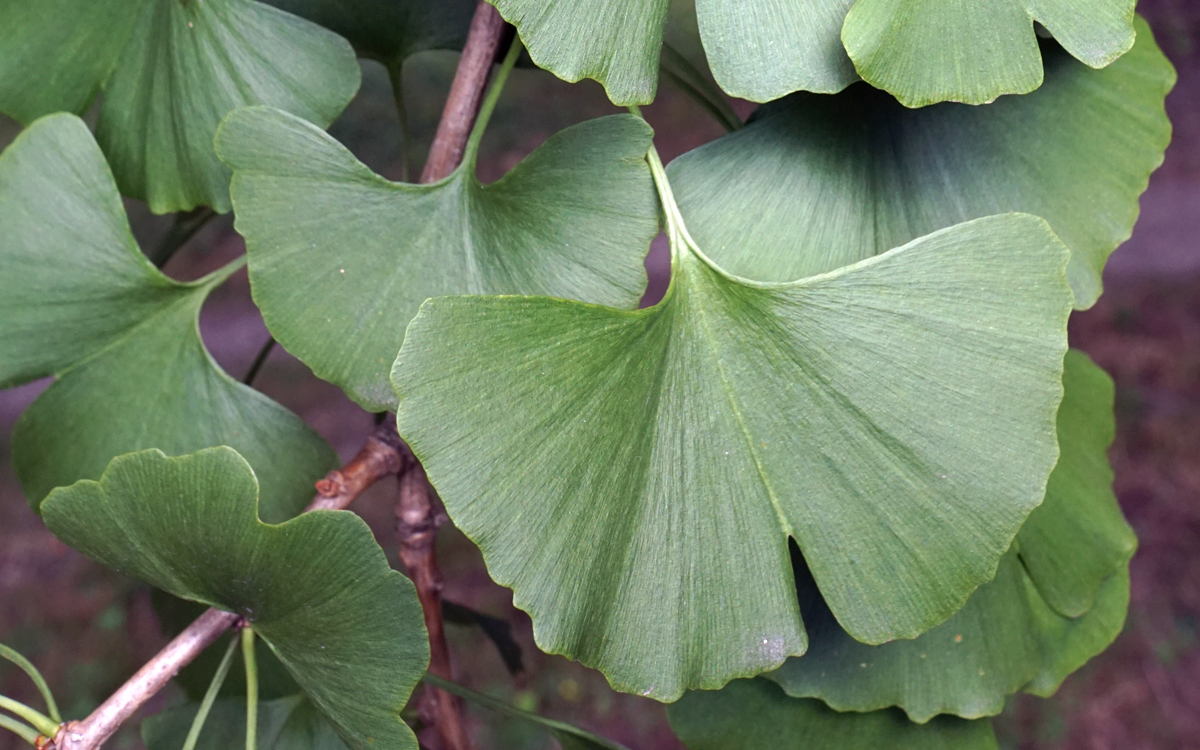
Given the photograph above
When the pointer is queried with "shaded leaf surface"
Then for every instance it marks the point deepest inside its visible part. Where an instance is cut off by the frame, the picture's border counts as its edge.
(827, 181)
(170, 71)
(290, 723)
(895, 417)
(755, 714)
(928, 51)
(573, 220)
(317, 589)
(81, 302)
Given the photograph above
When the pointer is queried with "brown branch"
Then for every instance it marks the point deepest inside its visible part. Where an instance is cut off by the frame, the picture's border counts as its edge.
(383, 454)
(466, 93)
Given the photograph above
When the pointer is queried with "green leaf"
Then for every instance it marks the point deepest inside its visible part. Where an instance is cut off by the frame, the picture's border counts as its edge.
(171, 69)
(752, 715)
(389, 30)
(81, 302)
(575, 220)
(290, 723)
(825, 181)
(317, 589)
(929, 51)
(1007, 635)
(635, 476)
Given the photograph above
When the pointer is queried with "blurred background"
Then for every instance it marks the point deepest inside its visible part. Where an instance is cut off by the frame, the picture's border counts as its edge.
(88, 628)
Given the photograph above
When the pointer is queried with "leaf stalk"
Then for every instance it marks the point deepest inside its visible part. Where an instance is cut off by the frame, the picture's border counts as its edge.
(27, 667)
(251, 662)
(37, 719)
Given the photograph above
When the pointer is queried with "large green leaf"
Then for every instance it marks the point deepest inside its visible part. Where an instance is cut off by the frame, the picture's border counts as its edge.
(928, 51)
(290, 723)
(317, 589)
(825, 181)
(80, 301)
(753, 715)
(389, 30)
(574, 220)
(1008, 636)
(635, 476)
(171, 69)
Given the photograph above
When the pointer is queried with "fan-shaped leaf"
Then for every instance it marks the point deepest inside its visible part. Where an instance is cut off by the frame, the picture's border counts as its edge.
(317, 589)
(752, 715)
(291, 723)
(171, 69)
(389, 30)
(928, 51)
(634, 476)
(826, 181)
(80, 301)
(573, 220)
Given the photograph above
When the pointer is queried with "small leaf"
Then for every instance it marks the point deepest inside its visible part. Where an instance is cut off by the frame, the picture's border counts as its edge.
(341, 259)
(826, 181)
(81, 302)
(938, 50)
(290, 723)
(635, 476)
(171, 69)
(755, 714)
(317, 589)
(389, 30)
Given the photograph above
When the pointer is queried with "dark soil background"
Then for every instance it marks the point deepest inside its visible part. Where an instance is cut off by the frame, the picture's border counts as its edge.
(88, 628)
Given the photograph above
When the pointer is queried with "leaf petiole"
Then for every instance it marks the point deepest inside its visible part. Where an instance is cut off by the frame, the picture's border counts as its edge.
(249, 658)
(27, 667)
(210, 696)
(40, 721)
(489, 103)
(25, 732)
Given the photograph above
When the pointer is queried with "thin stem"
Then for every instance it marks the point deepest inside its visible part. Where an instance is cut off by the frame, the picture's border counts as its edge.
(40, 721)
(210, 697)
(680, 71)
(395, 70)
(251, 661)
(27, 667)
(25, 732)
(183, 229)
(489, 103)
(259, 361)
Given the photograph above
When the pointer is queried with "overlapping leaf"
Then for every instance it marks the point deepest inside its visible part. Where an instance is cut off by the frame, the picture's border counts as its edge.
(290, 723)
(923, 52)
(389, 30)
(80, 301)
(317, 589)
(826, 181)
(170, 70)
(635, 476)
(928, 51)
(574, 220)
(754, 714)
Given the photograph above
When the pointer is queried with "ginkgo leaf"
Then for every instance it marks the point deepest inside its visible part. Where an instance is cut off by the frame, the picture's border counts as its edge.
(575, 219)
(80, 301)
(755, 714)
(1008, 636)
(389, 30)
(170, 69)
(635, 476)
(825, 181)
(290, 723)
(317, 588)
(929, 51)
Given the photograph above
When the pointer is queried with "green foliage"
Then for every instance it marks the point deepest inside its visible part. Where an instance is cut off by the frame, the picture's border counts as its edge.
(573, 220)
(81, 302)
(170, 70)
(290, 723)
(752, 715)
(317, 589)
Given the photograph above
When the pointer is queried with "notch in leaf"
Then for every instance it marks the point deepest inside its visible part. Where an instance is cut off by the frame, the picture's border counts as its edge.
(825, 181)
(317, 588)
(575, 219)
(635, 476)
(80, 301)
(170, 71)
